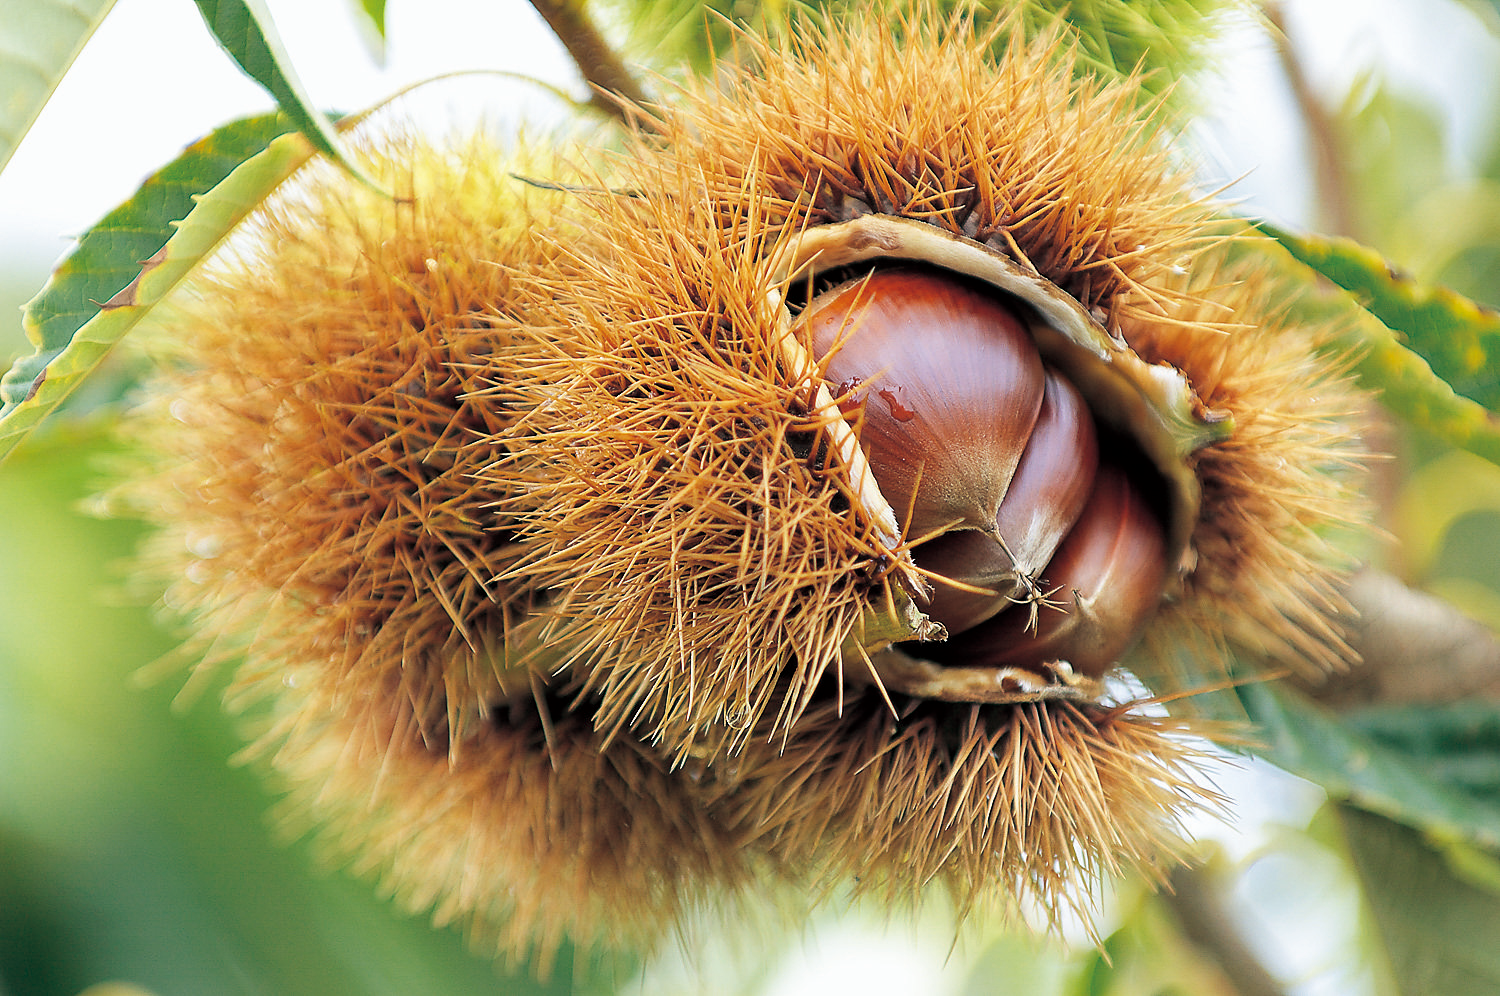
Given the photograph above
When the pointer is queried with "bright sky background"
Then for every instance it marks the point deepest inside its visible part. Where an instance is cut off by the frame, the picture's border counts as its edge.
(152, 80)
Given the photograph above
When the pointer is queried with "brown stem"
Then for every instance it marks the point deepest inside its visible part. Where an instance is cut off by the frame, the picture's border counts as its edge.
(1330, 174)
(595, 58)
(1195, 900)
(1415, 648)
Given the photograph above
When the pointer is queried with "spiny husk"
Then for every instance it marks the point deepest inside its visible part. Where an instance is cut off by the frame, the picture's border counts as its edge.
(316, 435)
(422, 456)
(1067, 175)
(1015, 807)
(705, 555)
(701, 541)
(310, 466)
(1278, 495)
(529, 833)
(703, 558)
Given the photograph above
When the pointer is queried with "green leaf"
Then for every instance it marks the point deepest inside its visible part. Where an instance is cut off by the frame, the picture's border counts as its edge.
(1383, 777)
(1164, 38)
(373, 24)
(1456, 745)
(109, 255)
(62, 361)
(1410, 389)
(375, 11)
(1439, 929)
(1434, 497)
(38, 42)
(1459, 338)
(244, 29)
(1462, 335)
(130, 844)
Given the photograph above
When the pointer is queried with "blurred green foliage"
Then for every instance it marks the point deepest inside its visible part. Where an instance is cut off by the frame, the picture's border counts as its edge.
(130, 846)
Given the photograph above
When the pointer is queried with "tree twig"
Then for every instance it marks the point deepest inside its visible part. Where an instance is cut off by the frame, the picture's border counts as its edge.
(595, 58)
(1416, 649)
(1195, 901)
(1330, 173)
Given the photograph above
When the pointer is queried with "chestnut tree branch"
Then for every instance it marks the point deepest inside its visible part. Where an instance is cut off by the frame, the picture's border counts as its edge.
(1330, 173)
(595, 58)
(1196, 901)
(1416, 649)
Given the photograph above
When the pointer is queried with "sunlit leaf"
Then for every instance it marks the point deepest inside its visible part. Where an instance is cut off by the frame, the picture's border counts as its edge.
(1407, 383)
(674, 33)
(375, 11)
(1449, 236)
(1394, 150)
(1459, 338)
(374, 24)
(1446, 514)
(47, 378)
(38, 42)
(1163, 37)
(109, 255)
(1439, 929)
(245, 30)
(1436, 496)
(1352, 764)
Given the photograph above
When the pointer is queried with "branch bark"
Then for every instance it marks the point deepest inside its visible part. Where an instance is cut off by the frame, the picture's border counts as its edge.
(1197, 903)
(1416, 649)
(595, 58)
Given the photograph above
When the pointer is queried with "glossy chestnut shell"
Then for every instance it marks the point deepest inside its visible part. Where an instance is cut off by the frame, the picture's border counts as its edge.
(1042, 545)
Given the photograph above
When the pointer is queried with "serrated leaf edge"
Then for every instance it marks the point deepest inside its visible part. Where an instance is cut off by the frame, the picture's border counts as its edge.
(214, 215)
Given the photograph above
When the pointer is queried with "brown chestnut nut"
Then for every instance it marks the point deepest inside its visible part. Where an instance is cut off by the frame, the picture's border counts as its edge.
(1101, 587)
(1036, 553)
(1045, 498)
(948, 384)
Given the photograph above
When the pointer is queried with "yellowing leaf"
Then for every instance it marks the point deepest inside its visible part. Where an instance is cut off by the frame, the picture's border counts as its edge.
(1458, 337)
(1410, 340)
(215, 214)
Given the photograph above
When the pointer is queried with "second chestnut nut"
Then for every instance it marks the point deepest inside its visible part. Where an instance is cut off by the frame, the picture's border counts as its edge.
(1039, 547)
